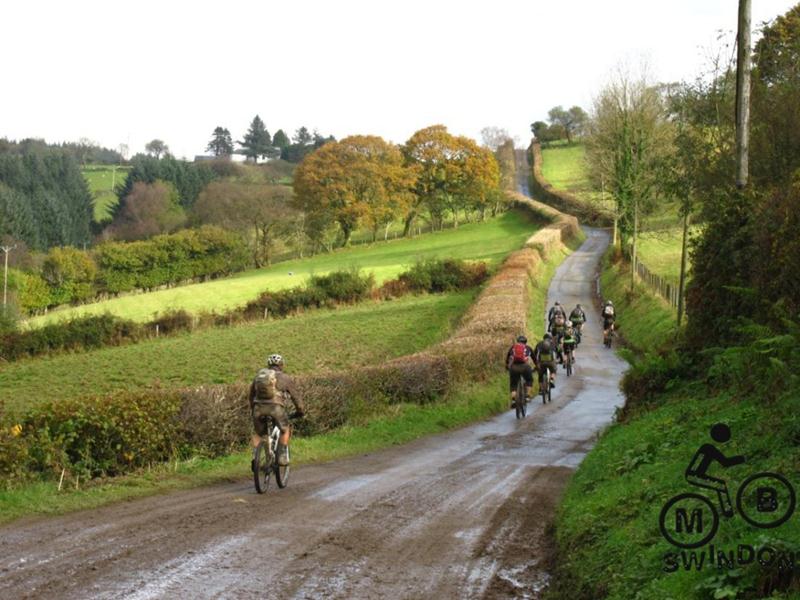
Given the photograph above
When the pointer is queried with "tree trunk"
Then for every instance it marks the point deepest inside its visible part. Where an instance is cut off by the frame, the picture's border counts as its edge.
(386, 231)
(682, 280)
(634, 241)
(408, 223)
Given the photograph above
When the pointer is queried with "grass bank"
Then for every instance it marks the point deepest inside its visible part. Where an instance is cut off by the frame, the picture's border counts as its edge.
(489, 241)
(396, 424)
(645, 320)
(609, 545)
(323, 339)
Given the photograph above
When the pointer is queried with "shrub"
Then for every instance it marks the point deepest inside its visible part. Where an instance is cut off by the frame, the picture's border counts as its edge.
(172, 321)
(444, 275)
(343, 286)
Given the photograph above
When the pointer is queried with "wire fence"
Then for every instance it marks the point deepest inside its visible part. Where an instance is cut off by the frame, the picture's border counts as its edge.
(665, 288)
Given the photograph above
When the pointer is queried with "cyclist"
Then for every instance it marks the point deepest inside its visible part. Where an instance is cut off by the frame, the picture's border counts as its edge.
(578, 318)
(544, 357)
(269, 392)
(518, 363)
(609, 316)
(555, 311)
(559, 330)
(570, 341)
(696, 473)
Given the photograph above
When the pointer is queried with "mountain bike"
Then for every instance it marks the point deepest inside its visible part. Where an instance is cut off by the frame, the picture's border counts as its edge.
(608, 336)
(521, 405)
(544, 386)
(569, 360)
(265, 460)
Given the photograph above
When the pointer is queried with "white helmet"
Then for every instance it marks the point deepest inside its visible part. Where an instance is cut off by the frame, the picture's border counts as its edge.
(569, 323)
(275, 360)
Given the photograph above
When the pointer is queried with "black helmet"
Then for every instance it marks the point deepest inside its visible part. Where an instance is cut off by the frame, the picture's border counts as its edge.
(522, 339)
(548, 336)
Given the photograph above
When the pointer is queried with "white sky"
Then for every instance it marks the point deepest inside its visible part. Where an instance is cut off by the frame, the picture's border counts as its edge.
(120, 72)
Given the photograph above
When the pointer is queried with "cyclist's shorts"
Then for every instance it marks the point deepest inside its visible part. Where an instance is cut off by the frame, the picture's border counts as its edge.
(520, 370)
(550, 365)
(263, 412)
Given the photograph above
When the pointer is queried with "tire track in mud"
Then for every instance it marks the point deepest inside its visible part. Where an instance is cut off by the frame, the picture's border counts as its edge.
(462, 514)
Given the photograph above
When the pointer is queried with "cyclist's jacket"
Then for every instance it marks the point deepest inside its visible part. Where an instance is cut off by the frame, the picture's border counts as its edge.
(286, 391)
(569, 341)
(510, 355)
(556, 310)
(544, 352)
(577, 316)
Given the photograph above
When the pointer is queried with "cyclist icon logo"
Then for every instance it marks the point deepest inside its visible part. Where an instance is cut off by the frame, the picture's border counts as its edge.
(690, 520)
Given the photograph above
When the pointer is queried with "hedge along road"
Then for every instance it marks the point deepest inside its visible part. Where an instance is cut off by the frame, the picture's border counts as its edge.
(461, 514)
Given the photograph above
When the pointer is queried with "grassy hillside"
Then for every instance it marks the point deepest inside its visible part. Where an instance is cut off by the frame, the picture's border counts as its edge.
(490, 241)
(564, 167)
(324, 339)
(102, 179)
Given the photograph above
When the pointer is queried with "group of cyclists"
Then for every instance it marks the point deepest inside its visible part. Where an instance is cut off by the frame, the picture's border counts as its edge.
(272, 389)
(556, 347)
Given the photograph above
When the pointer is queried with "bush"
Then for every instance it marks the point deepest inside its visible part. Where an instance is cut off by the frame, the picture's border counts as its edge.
(444, 275)
(103, 436)
(172, 322)
(343, 286)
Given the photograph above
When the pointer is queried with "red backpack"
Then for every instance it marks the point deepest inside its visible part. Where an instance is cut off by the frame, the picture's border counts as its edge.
(520, 353)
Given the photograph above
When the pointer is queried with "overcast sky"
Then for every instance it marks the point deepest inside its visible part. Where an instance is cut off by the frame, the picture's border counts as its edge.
(128, 72)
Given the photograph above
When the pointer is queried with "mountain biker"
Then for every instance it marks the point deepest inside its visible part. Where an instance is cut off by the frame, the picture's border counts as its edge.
(570, 341)
(697, 471)
(609, 316)
(544, 357)
(559, 330)
(269, 392)
(578, 318)
(518, 363)
(555, 310)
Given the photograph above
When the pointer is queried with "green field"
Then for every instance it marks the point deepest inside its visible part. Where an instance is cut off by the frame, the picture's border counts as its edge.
(490, 241)
(322, 339)
(564, 167)
(102, 179)
(661, 252)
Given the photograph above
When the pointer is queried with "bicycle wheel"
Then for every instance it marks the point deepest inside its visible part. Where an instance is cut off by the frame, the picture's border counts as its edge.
(519, 403)
(262, 463)
(569, 365)
(282, 473)
(545, 386)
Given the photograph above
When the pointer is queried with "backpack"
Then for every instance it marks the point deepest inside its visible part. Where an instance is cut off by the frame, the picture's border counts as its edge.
(545, 351)
(266, 384)
(608, 311)
(520, 353)
(559, 319)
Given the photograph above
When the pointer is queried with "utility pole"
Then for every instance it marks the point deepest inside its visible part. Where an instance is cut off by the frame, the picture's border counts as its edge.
(742, 93)
(682, 280)
(6, 250)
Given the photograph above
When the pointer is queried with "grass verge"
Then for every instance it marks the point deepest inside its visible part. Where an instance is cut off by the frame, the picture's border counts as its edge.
(489, 241)
(396, 425)
(646, 321)
(607, 530)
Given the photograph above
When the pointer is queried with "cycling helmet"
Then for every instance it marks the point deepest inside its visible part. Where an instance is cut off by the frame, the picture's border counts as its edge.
(569, 323)
(522, 339)
(548, 336)
(275, 360)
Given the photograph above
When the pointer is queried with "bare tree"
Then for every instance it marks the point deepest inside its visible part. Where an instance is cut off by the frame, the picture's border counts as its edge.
(494, 137)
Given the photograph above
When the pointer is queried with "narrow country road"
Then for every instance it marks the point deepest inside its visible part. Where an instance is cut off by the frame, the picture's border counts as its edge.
(457, 515)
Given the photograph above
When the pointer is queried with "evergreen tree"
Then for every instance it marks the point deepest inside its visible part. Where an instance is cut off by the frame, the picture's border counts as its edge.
(281, 140)
(257, 141)
(221, 143)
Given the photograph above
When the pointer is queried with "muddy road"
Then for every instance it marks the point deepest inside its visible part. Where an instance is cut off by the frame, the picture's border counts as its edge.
(458, 515)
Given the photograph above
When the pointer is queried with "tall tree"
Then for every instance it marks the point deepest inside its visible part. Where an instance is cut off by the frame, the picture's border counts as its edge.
(221, 143)
(572, 121)
(281, 140)
(156, 148)
(358, 178)
(257, 141)
(302, 136)
(629, 138)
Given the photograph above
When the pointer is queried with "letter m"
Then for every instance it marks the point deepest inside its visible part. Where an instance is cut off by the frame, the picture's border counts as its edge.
(682, 521)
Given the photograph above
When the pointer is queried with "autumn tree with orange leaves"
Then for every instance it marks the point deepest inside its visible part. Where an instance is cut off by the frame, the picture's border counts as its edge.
(360, 180)
(452, 174)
